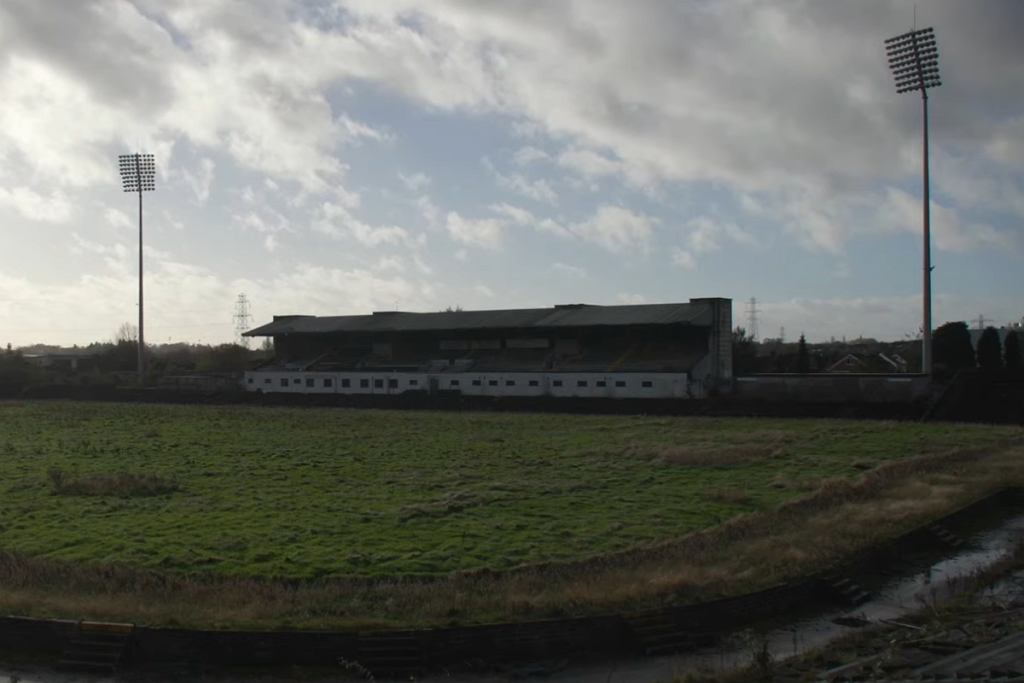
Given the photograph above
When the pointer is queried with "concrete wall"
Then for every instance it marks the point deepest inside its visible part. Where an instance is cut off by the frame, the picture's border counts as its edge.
(833, 388)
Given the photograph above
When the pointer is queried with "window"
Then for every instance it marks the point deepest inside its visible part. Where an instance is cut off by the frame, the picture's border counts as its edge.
(249, 380)
(297, 381)
(620, 383)
(392, 383)
(534, 383)
(510, 383)
(601, 383)
(364, 384)
(414, 383)
(266, 380)
(647, 384)
(328, 382)
(492, 382)
(581, 382)
(345, 382)
(378, 384)
(284, 381)
(310, 382)
(453, 383)
(557, 383)
(476, 383)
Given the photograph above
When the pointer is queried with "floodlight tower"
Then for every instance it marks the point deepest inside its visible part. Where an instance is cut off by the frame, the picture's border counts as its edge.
(914, 60)
(138, 174)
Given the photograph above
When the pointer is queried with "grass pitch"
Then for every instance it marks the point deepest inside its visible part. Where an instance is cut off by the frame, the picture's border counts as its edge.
(314, 493)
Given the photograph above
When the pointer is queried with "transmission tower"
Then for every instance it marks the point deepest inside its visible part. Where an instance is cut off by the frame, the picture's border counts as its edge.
(752, 318)
(243, 320)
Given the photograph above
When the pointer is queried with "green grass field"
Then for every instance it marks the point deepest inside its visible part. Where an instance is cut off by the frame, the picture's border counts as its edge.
(303, 493)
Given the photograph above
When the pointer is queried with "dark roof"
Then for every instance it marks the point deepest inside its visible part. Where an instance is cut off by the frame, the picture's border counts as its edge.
(697, 312)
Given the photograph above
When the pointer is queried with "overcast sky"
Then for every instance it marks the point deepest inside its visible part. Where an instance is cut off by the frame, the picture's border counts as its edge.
(343, 157)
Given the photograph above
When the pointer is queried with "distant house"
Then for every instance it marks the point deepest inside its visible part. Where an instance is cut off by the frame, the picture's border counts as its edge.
(72, 361)
(1003, 331)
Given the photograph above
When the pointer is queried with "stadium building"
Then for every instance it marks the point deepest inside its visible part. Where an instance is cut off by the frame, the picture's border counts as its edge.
(681, 350)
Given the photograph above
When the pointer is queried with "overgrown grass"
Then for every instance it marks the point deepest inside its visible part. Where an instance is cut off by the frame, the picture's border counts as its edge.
(327, 518)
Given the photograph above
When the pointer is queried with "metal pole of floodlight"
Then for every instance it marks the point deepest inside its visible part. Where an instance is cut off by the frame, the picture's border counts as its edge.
(914, 60)
(138, 174)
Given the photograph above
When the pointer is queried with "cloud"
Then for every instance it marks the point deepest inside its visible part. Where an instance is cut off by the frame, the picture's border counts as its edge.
(570, 270)
(481, 232)
(118, 219)
(271, 243)
(414, 182)
(538, 190)
(528, 155)
(615, 228)
(34, 206)
(514, 214)
(336, 221)
(200, 181)
(683, 259)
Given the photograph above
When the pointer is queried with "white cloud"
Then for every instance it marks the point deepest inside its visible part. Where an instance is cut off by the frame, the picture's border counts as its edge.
(528, 155)
(480, 232)
(200, 181)
(683, 259)
(570, 270)
(615, 228)
(484, 291)
(514, 214)
(336, 221)
(271, 243)
(538, 190)
(116, 218)
(36, 207)
(414, 182)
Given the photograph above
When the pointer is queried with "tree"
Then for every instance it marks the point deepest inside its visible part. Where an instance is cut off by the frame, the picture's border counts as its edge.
(744, 352)
(803, 360)
(1011, 350)
(951, 346)
(990, 352)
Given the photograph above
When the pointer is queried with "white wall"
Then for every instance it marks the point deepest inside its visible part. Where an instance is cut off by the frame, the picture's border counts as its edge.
(559, 384)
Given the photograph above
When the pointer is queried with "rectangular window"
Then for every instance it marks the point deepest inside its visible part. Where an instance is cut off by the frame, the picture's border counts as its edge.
(510, 383)
(581, 382)
(284, 381)
(601, 383)
(345, 382)
(310, 382)
(297, 381)
(620, 383)
(557, 383)
(378, 384)
(454, 383)
(364, 384)
(534, 383)
(414, 383)
(647, 384)
(266, 380)
(476, 383)
(492, 382)
(249, 380)
(328, 382)
(392, 383)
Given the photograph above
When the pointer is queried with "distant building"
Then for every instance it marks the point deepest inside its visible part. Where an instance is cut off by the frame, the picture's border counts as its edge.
(70, 361)
(681, 350)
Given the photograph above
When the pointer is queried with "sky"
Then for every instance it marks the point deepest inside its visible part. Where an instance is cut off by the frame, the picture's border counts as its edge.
(340, 157)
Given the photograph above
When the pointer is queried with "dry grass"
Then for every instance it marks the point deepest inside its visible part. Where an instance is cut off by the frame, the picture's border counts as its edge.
(745, 553)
